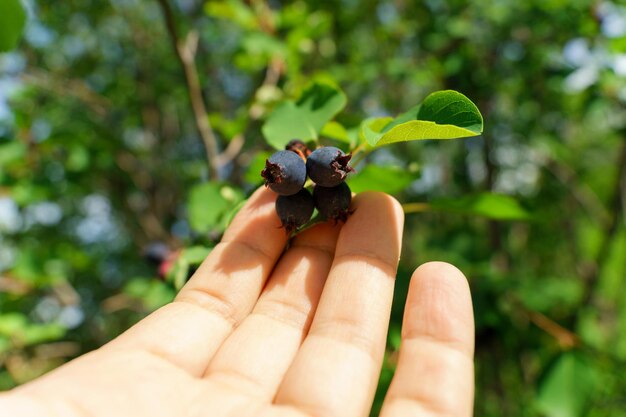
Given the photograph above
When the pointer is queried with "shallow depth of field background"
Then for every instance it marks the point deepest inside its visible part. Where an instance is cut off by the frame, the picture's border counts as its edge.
(101, 161)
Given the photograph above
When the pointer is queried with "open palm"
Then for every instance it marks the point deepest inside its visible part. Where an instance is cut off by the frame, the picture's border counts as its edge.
(259, 331)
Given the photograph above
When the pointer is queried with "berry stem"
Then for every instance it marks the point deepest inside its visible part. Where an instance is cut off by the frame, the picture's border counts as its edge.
(409, 208)
(359, 153)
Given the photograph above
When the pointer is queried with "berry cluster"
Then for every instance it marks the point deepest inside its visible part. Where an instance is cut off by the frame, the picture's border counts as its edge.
(286, 172)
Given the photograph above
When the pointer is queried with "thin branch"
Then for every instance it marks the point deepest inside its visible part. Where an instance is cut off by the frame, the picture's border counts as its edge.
(231, 151)
(186, 52)
(566, 338)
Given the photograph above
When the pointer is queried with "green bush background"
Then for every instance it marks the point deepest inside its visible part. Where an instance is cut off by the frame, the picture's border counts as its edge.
(100, 155)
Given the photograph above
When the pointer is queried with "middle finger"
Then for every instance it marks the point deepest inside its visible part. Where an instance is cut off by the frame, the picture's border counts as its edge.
(254, 359)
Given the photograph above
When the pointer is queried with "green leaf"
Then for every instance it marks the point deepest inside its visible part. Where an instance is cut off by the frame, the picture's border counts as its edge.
(12, 20)
(253, 173)
(422, 130)
(287, 122)
(372, 128)
(556, 294)
(494, 206)
(450, 107)
(335, 130)
(235, 11)
(11, 152)
(11, 323)
(567, 387)
(321, 102)
(151, 292)
(208, 203)
(306, 118)
(443, 115)
(388, 179)
(407, 116)
(232, 213)
(39, 333)
(259, 43)
(194, 255)
(16, 326)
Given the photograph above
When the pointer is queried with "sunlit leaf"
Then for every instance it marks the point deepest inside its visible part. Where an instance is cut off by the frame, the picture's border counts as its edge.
(371, 129)
(450, 107)
(443, 115)
(421, 130)
(12, 20)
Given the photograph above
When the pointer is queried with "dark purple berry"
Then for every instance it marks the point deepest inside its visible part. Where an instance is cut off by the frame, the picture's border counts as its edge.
(295, 210)
(284, 173)
(156, 252)
(333, 202)
(328, 166)
(299, 147)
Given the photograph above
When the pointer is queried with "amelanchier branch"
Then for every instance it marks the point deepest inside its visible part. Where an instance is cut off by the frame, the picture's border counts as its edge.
(186, 53)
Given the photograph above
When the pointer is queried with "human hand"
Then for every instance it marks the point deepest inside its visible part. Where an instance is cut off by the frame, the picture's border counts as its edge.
(259, 332)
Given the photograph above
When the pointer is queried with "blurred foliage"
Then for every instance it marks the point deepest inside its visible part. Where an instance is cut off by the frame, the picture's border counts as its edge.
(107, 202)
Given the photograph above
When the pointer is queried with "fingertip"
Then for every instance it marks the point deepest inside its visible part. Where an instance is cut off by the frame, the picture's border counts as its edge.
(438, 270)
(439, 306)
(373, 229)
(379, 199)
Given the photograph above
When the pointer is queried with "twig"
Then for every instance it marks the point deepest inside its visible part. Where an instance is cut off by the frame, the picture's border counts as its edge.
(231, 151)
(566, 338)
(186, 51)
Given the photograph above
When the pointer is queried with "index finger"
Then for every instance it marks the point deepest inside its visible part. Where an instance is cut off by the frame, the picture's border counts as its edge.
(219, 295)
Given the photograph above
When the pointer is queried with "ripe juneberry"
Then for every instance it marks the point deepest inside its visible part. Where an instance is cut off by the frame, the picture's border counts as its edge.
(299, 147)
(333, 203)
(284, 173)
(295, 210)
(328, 166)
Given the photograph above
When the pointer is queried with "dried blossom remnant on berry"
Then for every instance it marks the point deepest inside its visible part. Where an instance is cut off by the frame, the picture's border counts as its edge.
(340, 165)
(284, 173)
(272, 173)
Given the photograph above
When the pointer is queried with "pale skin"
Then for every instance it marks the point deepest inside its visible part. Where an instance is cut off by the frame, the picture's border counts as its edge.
(259, 332)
